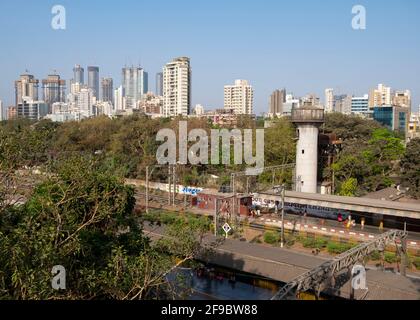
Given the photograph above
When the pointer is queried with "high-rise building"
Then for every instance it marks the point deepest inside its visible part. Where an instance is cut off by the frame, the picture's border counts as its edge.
(26, 86)
(85, 102)
(2, 113)
(380, 96)
(402, 99)
(329, 100)
(78, 74)
(239, 97)
(342, 103)
(107, 85)
(277, 100)
(12, 112)
(135, 85)
(151, 104)
(159, 84)
(54, 90)
(93, 80)
(360, 105)
(177, 87)
(119, 99)
(30, 109)
(198, 110)
(290, 104)
(393, 117)
(310, 100)
(75, 87)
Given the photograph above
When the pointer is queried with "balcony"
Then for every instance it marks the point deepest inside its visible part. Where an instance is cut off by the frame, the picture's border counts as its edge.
(308, 115)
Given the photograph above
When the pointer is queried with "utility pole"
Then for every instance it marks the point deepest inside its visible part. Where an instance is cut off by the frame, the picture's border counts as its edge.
(169, 184)
(215, 216)
(174, 183)
(283, 193)
(234, 195)
(147, 189)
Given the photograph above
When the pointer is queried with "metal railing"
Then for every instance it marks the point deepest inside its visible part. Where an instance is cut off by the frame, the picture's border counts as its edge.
(314, 278)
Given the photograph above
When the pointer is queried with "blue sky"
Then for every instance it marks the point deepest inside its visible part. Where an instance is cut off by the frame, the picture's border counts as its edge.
(303, 45)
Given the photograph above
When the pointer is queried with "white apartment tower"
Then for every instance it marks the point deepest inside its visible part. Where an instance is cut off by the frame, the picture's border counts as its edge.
(239, 97)
(119, 99)
(177, 87)
(329, 100)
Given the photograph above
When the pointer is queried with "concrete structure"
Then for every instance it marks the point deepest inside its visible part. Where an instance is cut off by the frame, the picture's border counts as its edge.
(277, 100)
(342, 103)
(284, 265)
(135, 84)
(93, 81)
(239, 97)
(380, 96)
(177, 87)
(414, 127)
(375, 209)
(360, 105)
(85, 102)
(32, 110)
(329, 100)
(159, 84)
(198, 110)
(63, 112)
(26, 86)
(308, 121)
(11, 113)
(310, 100)
(78, 74)
(2, 113)
(290, 104)
(54, 90)
(402, 99)
(107, 87)
(75, 87)
(104, 108)
(151, 104)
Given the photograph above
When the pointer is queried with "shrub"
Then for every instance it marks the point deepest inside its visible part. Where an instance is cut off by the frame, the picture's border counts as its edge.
(338, 248)
(314, 243)
(416, 262)
(271, 237)
(375, 256)
(391, 257)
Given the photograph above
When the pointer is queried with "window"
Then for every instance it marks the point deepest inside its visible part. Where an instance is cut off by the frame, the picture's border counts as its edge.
(303, 151)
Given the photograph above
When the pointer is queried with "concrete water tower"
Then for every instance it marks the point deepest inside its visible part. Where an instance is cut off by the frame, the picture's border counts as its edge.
(307, 119)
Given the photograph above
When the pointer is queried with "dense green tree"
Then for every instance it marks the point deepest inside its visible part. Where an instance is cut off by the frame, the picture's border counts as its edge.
(82, 218)
(410, 166)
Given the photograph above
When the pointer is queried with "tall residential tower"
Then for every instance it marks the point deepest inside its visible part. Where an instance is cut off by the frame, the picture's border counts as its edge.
(177, 87)
(239, 97)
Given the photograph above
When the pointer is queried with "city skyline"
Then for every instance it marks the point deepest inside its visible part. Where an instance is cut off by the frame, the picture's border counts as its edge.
(340, 65)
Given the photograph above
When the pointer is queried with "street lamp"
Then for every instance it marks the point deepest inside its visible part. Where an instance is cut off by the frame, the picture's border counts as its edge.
(281, 189)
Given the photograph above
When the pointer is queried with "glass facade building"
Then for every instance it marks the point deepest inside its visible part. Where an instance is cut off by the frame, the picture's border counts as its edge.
(135, 85)
(93, 80)
(393, 117)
